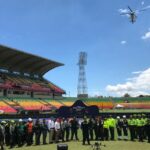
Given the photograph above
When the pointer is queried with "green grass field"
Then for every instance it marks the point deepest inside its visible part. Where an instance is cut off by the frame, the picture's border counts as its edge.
(125, 111)
(77, 145)
(110, 145)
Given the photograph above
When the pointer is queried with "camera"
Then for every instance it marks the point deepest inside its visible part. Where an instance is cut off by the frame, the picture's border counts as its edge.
(97, 146)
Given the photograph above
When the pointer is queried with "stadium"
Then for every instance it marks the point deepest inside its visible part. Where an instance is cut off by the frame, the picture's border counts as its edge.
(24, 90)
(25, 93)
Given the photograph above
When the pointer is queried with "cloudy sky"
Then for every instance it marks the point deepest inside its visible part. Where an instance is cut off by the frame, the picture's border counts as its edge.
(118, 51)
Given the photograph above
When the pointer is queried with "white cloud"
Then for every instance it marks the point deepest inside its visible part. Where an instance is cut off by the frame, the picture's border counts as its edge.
(142, 3)
(136, 72)
(137, 85)
(123, 42)
(146, 35)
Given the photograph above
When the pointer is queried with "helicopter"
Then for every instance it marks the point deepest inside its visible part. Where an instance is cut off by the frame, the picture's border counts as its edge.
(133, 14)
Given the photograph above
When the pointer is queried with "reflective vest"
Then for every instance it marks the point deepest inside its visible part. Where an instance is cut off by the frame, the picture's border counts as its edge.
(30, 127)
(140, 122)
(112, 122)
(106, 124)
(131, 122)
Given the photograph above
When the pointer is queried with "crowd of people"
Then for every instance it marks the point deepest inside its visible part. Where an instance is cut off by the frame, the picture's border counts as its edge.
(20, 132)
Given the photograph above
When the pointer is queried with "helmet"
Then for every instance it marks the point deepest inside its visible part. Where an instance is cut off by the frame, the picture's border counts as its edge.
(118, 117)
(29, 119)
(20, 120)
(124, 116)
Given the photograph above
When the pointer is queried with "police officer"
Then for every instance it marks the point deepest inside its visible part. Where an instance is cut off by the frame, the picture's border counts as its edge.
(101, 130)
(37, 130)
(74, 128)
(106, 129)
(62, 125)
(2, 135)
(125, 127)
(7, 133)
(112, 124)
(148, 130)
(85, 131)
(67, 129)
(140, 125)
(12, 133)
(119, 126)
(131, 124)
(91, 126)
(20, 132)
(96, 128)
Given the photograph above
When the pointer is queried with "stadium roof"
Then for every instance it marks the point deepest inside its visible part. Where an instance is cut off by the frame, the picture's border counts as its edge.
(19, 61)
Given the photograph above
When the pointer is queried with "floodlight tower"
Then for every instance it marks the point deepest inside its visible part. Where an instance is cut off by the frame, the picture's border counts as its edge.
(82, 83)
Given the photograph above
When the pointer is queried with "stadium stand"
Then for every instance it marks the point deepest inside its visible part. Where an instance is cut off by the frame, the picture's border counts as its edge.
(6, 108)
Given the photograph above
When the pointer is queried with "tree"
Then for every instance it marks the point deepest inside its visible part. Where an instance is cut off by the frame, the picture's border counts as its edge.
(126, 95)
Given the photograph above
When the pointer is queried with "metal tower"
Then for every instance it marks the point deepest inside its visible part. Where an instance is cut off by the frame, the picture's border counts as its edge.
(82, 83)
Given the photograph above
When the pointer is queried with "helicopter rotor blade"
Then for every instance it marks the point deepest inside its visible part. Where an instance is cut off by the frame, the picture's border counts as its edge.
(127, 13)
(130, 9)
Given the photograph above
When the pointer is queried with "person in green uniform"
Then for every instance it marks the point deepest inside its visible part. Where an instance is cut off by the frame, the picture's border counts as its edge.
(106, 129)
(20, 132)
(131, 124)
(112, 124)
(148, 129)
(140, 125)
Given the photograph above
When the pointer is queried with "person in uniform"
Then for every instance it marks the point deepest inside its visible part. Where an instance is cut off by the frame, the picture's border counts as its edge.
(140, 125)
(131, 125)
(96, 128)
(125, 127)
(106, 129)
(37, 131)
(12, 133)
(112, 124)
(119, 126)
(85, 131)
(91, 126)
(74, 128)
(7, 133)
(44, 131)
(67, 129)
(147, 126)
(20, 132)
(29, 131)
(2, 134)
(101, 130)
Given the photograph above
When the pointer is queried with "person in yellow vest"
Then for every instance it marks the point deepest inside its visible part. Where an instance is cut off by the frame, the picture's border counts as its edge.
(135, 125)
(112, 125)
(144, 119)
(131, 124)
(148, 129)
(140, 125)
(106, 129)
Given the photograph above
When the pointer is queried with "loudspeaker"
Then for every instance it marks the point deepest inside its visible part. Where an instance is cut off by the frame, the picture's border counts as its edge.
(62, 147)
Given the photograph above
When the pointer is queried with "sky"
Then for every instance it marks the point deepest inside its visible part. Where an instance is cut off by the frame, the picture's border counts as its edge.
(118, 51)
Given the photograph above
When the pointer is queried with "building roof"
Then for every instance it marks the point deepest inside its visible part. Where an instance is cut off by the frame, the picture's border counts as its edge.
(19, 61)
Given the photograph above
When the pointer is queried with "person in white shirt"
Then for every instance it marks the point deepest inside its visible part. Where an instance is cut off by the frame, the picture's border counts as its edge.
(57, 130)
(51, 128)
